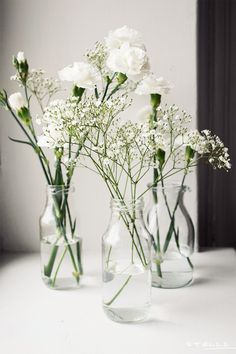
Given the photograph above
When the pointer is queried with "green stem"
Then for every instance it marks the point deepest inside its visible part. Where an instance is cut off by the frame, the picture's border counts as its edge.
(58, 267)
(78, 250)
(159, 272)
(190, 263)
(108, 303)
(172, 217)
(108, 256)
(48, 268)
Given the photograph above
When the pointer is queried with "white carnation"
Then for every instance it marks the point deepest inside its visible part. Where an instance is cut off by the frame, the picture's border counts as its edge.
(82, 74)
(16, 101)
(151, 85)
(118, 37)
(127, 60)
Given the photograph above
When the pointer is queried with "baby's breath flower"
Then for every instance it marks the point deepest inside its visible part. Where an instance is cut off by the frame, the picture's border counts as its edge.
(40, 85)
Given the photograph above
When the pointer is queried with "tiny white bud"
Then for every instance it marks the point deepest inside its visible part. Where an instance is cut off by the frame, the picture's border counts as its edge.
(20, 57)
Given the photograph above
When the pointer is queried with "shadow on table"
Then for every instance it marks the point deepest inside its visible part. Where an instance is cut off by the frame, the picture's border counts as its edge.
(7, 258)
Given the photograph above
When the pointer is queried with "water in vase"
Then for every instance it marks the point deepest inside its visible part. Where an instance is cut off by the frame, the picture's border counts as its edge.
(126, 296)
(60, 262)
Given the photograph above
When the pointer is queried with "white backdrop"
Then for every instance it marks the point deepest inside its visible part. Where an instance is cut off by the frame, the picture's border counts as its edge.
(53, 34)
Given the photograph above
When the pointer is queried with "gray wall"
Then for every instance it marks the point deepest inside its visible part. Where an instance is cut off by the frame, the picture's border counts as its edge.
(53, 34)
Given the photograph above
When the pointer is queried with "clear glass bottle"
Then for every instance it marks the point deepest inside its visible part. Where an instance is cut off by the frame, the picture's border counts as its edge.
(172, 231)
(126, 247)
(61, 264)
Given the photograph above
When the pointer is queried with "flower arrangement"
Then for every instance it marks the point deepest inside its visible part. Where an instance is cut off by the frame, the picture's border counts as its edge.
(86, 127)
(58, 175)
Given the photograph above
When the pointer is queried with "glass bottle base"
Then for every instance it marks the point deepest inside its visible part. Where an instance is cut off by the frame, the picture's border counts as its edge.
(126, 315)
(172, 280)
(61, 266)
(61, 283)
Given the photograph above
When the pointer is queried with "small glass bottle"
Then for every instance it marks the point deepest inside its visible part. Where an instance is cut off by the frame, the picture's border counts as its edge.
(126, 247)
(61, 264)
(172, 231)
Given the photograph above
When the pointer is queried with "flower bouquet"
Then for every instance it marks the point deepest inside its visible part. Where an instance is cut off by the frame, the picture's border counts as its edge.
(88, 129)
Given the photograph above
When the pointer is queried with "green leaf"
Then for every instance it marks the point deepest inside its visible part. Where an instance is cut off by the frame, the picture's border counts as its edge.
(15, 62)
(20, 141)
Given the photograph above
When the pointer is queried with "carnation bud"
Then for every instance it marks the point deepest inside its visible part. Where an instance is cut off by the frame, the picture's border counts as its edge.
(20, 57)
(16, 101)
(161, 156)
(15, 62)
(77, 91)
(189, 154)
(24, 115)
(2, 98)
(121, 78)
(21, 65)
(155, 100)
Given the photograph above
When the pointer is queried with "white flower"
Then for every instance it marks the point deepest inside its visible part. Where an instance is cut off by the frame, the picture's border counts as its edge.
(43, 141)
(150, 84)
(20, 57)
(52, 137)
(16, 101)
(122, 35)
(38, 120)
(82, 74)
(127, 60)
(144, 113)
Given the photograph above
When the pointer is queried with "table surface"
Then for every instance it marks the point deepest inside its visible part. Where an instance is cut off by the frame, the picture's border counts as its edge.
(196, 319)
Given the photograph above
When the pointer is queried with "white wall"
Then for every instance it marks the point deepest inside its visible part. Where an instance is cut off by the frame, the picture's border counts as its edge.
(53, 34)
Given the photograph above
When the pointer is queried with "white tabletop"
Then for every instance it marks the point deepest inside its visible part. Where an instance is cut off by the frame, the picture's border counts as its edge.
(196, 319)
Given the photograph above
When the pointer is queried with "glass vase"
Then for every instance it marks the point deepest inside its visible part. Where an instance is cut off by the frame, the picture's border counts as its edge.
(172, 231)
(61, 264)
(126, 248)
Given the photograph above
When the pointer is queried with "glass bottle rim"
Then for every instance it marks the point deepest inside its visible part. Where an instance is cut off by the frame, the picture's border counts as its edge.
(174, 185)
(121, 205)
(58, 188)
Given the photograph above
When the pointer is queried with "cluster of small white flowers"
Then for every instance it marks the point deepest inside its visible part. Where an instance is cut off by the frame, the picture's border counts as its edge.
(58, 118)
(130, 142)
(66, 118)
(40, 85)
(167, 132)
(97, 57)
(209, 147)
(171, 133)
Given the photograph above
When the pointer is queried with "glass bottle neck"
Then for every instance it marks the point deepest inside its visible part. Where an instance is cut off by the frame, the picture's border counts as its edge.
(58, 193)
(132, 208)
